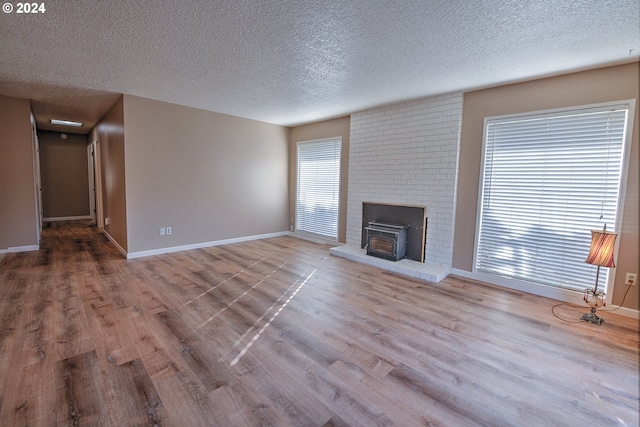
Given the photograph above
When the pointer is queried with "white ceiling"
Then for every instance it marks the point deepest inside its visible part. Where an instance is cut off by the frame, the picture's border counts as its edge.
(290, 62)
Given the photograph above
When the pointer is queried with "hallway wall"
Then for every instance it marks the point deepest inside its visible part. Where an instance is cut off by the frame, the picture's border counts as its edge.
(18, 221)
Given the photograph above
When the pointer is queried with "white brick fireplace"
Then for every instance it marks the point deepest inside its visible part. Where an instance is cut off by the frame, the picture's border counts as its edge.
(407, 153)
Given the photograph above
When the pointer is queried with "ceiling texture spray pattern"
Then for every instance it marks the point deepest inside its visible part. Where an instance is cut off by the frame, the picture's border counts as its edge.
(290, 62)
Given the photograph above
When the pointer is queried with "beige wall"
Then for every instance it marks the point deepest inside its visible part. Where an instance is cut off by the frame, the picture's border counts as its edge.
(589, 87)
(110, 136)
(18, 222)
(320, 130)
(64, 175)
(207, 175)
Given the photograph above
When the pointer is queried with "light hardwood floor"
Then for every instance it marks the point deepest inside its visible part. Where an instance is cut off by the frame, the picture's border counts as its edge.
(277, 332)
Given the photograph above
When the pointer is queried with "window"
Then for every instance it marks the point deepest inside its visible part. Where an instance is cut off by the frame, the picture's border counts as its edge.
(318, 191)
(546, 180)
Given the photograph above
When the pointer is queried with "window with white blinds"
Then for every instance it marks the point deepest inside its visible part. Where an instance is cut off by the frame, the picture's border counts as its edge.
(318, 190)
(546, 180)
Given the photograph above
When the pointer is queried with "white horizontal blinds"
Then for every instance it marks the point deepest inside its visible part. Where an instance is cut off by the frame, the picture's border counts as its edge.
(547, 179)
(318, 190)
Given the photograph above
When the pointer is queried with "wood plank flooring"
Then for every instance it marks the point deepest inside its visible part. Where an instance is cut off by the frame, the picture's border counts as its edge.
(277, 332)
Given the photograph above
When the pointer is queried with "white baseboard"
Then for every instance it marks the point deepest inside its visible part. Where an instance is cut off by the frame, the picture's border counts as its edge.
(16, 249)
(560, 294)
(66, 218)
(160, 251)
(622, 311)
(28, 248)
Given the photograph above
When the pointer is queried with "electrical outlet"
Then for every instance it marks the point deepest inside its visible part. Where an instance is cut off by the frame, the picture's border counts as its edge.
(107, 220)
(631, 279)
(163, 231)
(168, 230)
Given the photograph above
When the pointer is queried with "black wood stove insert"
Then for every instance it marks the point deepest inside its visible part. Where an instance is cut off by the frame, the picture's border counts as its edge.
(388, 241)
(381, 221)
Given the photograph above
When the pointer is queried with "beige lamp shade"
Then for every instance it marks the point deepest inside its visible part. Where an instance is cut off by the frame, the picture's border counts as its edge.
(602, 245)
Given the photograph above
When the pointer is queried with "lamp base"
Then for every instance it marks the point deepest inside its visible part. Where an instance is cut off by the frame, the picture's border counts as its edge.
(591, 317)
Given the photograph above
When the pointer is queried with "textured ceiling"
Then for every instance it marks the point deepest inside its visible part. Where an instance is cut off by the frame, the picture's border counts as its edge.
(297, 61)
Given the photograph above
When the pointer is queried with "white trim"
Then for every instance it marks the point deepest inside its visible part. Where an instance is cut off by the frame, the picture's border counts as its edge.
(116, 244)
(560, 294)
(67, 218)
(554, 111)
(27, 248)
(622, 311)
(160, 251)
(483, 167)
(622, 192)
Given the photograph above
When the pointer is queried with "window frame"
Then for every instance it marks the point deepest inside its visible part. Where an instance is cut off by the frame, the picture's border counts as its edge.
(624, 169)
(335, 139)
